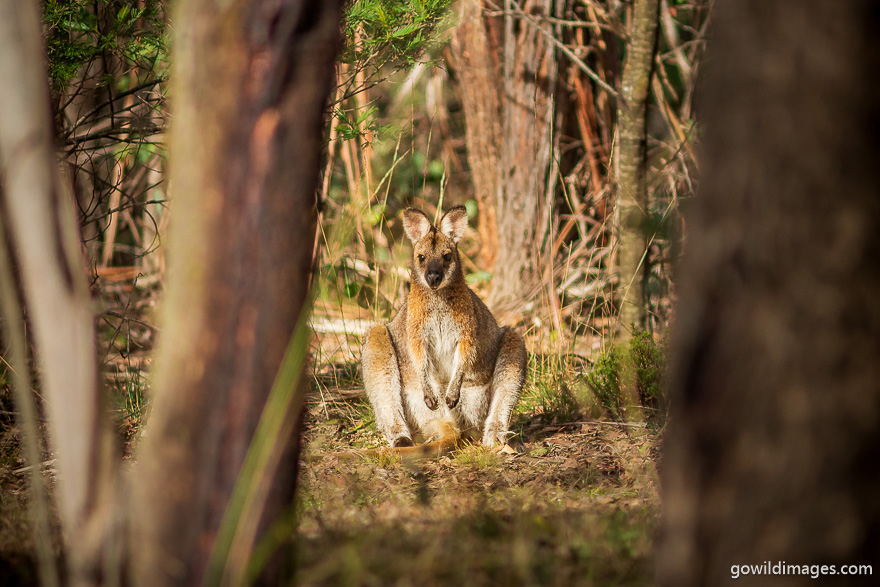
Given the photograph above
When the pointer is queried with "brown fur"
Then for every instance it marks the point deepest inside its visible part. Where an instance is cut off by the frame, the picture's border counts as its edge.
(443, 361)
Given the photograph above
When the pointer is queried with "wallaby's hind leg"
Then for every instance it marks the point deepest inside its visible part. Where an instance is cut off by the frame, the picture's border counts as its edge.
(507, 383)
(382, 382)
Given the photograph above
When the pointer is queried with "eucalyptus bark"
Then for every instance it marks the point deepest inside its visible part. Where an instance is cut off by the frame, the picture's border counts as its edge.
(630, 166)
(774, 434)
(251, 81)
(529, 152)
(477, 69)
(512, 136)
(38, 217)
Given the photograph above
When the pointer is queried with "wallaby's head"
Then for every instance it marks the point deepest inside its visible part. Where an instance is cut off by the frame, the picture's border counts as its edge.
(435, 251)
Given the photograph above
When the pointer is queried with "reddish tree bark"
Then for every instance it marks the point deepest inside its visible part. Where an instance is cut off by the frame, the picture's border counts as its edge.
(508, 83)
(250, 86)
(477, 68)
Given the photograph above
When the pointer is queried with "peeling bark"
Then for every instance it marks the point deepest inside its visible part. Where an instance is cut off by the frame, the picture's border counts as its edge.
(477, 69)
(512, 136)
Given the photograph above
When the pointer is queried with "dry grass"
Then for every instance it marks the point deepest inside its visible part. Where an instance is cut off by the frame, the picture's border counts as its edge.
(575, 504)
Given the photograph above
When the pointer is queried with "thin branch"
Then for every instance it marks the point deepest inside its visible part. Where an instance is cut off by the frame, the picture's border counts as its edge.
(564, 48)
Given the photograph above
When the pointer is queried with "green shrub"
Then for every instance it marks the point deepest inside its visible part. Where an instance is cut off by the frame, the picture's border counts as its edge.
(649, 361)
(642, 362)
(604, 380)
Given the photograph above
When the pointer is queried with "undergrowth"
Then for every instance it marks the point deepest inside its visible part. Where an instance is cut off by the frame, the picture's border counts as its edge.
(577, 506)
(567, 388)
(486, 546)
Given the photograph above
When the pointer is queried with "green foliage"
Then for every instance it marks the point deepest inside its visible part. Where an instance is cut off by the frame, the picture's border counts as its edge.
(417, 170)
(379, 32)
(347, 280)
(642, 361)
(604, 380)
(383, 37)
(78, 31)
(555, 392)
(649, 361)
(133, 397)
(351, 127)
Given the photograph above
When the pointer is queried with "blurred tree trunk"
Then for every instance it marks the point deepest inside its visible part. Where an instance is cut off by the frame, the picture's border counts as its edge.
(630, 165)
(772, 448)
(251, 82)
(512, 138)
(38, 217)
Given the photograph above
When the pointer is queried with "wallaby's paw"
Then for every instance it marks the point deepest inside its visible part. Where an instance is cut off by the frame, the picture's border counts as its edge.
(491, 436)
(452, 399)
(402, 441)
(431, 402)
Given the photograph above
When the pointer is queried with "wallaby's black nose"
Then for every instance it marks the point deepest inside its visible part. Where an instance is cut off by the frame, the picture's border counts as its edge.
(434, 273)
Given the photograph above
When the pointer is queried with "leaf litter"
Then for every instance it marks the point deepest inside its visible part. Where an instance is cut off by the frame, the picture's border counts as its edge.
(570, 504)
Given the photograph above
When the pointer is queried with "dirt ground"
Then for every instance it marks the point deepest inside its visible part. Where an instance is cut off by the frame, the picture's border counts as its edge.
(566, 503)
(571, 501)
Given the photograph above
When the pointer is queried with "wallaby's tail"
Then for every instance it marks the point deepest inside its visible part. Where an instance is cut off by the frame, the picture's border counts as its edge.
(446, 440)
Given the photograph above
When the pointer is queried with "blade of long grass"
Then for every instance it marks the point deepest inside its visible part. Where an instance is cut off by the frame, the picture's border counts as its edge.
(235, 538)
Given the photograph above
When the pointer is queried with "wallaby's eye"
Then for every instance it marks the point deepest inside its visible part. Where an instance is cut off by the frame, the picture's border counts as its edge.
(447, 257)
(421, 258)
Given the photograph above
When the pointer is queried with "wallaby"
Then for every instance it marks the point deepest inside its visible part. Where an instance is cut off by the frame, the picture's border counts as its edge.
(442, 365)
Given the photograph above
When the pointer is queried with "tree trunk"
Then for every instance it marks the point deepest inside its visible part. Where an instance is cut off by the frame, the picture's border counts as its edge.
(512, 137)
(476, 65)
(775, 433)
(630, 166)
(251, 81)
(529, 152)
(37, 213)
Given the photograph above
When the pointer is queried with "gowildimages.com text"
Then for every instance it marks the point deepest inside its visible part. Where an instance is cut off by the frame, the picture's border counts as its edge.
(783, 568)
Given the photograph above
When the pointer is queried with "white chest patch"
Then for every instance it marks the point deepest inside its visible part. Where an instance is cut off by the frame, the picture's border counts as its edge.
(441, 344)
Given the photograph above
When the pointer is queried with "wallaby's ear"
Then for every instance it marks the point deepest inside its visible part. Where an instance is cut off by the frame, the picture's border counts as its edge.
(454, 222)
(415, 224)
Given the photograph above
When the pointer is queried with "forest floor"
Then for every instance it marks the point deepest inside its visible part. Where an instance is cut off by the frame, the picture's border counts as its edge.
(572, 500)
(566, 503)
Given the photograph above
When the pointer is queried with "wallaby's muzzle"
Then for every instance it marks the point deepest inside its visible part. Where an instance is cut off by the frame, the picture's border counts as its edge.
(434, 273)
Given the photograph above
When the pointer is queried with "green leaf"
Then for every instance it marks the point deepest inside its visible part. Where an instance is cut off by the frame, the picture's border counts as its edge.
(472, 208)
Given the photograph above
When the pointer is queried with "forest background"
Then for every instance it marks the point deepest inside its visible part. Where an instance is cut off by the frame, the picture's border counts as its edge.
(567, 129)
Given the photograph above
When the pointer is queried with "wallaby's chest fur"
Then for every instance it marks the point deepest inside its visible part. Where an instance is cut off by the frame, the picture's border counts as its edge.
(437, 325)
(441, 335)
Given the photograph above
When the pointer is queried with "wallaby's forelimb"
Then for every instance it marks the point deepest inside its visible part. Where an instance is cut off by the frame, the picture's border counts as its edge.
(453, 392)
(428, 390)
